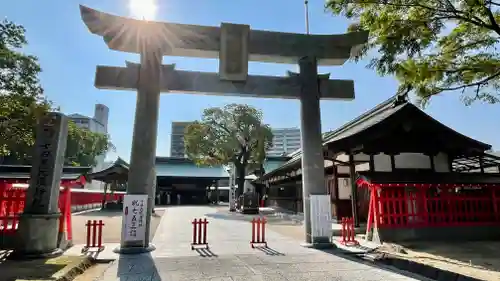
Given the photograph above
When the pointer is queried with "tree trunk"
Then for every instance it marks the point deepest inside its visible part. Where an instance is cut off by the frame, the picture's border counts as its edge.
(104, 195)
(240, 180)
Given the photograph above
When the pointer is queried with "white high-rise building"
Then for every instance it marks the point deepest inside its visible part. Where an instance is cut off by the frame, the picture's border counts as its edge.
(285, 141)
(177, 148)
(96, 124)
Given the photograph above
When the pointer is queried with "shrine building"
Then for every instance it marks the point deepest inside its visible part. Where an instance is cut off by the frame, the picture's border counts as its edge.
(414, 178)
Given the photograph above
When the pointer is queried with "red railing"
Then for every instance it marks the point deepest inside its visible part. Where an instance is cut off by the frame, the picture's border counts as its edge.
(94, 235)
(426, 205)
(12, 198)
(199, 233)
(11, 205)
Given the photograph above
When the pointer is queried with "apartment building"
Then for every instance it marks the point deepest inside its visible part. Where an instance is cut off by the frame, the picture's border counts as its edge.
(285, 141)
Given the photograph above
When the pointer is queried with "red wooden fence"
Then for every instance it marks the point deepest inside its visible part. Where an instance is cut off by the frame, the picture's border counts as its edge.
(12, 199)
(427, 205)
(11, 202)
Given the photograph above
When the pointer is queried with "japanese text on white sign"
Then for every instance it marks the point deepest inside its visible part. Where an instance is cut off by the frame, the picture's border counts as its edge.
(134, 218)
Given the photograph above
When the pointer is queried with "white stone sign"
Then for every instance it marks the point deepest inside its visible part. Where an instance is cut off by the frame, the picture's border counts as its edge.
(134, 218)
(321, 216)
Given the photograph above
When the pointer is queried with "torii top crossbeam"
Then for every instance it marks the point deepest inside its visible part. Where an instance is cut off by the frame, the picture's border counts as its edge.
(129, 35)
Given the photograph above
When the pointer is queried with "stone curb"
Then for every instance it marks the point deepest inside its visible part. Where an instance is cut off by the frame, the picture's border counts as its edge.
(420, 269)
(76, 270)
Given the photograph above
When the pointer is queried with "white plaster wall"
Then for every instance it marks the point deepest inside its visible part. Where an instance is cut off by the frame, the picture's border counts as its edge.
(344, 188)
(382, 162)
(362, 167)
(402, 161)
(441, 163)
(412, 161)
(94, 185)
(357, 157)
(343, 169)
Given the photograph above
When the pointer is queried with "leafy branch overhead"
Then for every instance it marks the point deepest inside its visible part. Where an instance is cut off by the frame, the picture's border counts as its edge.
(22, 103)
(232, 134)
(431, 46)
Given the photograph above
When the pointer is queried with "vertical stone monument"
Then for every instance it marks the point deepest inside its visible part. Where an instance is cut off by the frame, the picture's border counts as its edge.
(39, 223)
(234, 45)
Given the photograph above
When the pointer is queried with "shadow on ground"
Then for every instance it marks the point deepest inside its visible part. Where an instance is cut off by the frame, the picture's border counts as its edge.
(135, 267)
(205, 253)
(269, 251)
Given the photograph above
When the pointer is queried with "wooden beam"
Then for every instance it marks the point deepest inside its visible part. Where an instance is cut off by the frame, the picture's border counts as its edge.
(125, 78)
(372, 163)
(336, 183)
(433, 165)
(130, 35)
(354, 190)
(393, 162)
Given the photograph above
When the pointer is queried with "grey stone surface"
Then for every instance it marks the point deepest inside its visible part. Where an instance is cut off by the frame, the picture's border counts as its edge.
(142, 175)
(313, 171)
(233, 55)
(38, 226)
(42, 196)
(204, 41)
(231, 258)
(180, 81)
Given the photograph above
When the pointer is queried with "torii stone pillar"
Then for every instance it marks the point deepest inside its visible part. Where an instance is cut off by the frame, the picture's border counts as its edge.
(234, 45)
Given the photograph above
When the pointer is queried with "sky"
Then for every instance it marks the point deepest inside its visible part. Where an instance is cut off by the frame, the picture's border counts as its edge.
(69, 54)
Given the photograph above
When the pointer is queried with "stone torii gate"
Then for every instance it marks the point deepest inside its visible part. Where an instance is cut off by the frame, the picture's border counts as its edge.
(234, 45)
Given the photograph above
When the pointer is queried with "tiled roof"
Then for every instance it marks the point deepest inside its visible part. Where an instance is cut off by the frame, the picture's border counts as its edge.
(379, 113)
(24, 172)
(189, 170)
(183, 167)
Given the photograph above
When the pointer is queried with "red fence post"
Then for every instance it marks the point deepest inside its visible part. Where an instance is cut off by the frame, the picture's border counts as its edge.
(258, 232)
(195, 222)
(343, 231)
(69, 227)
(94, 235)
(348, 232)
(99, 237)
(205, 222)
(199, 233)
(88, 225)
(94, 232)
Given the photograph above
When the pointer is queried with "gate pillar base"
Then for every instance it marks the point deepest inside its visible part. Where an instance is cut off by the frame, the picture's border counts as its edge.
(319, 243)
(38, 237)
(132, 250)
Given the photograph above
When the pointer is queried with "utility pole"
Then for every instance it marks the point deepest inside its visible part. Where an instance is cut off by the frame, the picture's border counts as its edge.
(306, 6)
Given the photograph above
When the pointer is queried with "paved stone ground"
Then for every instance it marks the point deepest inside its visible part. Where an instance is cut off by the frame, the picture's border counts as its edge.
(112, 224)
(231, 258)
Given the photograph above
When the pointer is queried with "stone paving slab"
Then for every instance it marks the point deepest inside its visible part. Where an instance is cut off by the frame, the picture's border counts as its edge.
(225, 237)
(230, 257)
(246, 267)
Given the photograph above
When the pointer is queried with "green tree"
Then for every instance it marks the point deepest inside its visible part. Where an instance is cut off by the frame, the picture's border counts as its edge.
(431, 46)
(21, 96)
(22, 103)
(232, 134)
(83, 146)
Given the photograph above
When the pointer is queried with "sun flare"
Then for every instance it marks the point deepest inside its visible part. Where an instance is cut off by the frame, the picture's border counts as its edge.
(143, 9)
